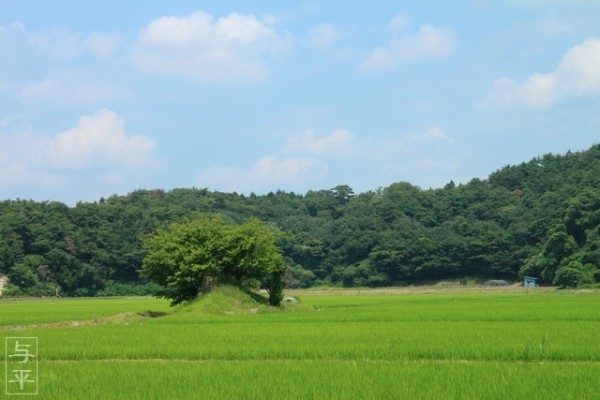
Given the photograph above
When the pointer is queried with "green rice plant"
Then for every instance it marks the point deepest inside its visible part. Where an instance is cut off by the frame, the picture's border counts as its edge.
(317, 379)
(496, 346)
(40, 311)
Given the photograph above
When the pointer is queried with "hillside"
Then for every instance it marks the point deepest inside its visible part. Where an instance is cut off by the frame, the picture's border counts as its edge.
(539, 218)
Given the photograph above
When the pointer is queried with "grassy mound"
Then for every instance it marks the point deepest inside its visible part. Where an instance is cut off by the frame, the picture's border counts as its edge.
(227, 300)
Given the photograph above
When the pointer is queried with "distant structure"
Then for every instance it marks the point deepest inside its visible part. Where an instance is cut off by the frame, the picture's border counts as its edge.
(3, 283)
(530, 281)
(289, 300)
(496, 282)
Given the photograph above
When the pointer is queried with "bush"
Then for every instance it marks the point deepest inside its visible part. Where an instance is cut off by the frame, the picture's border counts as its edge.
(298, 277)
(573, 275)
(44, 289)
(128, 289)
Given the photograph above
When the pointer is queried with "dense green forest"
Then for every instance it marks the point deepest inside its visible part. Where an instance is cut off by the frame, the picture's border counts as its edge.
(540, 218)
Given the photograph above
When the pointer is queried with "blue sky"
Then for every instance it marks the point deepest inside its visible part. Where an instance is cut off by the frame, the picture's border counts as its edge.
(102, 98)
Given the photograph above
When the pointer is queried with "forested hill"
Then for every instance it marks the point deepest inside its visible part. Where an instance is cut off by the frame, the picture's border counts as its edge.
(539, 218)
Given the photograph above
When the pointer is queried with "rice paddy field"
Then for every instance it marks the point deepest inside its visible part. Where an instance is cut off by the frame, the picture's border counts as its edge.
(523, 344)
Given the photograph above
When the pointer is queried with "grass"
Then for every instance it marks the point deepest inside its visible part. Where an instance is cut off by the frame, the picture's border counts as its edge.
(225, 300)
(231, 345)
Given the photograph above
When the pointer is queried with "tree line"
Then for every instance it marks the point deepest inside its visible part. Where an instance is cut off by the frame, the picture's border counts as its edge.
(539, 218)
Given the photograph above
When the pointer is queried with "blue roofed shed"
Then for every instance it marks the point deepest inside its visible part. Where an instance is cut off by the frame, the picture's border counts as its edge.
(530, 281)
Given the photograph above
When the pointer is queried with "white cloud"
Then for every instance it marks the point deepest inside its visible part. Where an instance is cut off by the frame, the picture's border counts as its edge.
(232, 49)
(579, 70)
(15, 56)
(13, 27)
(548, 26)
(103, 45)
(399, 22)
(302, 161)
(578, 74)
(269, 173)
(58, 67)
(546, 3)
(279, 170)
(66, 46)
(71, 87)
(21, 155)
(97, 139)
(97, 146)
(336, 143)
(60, 44)
(305, 161)
(323, 36)
(428, 42)
(433, 133)
(245, 29)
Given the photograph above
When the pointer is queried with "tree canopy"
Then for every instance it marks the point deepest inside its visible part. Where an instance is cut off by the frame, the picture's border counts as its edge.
(538, 218)
(188, 258)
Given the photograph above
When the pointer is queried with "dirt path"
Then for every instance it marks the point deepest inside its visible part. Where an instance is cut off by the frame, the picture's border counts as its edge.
(125, 317)
(437, 289)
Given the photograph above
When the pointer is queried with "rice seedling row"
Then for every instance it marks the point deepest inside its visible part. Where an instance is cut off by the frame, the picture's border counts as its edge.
(517, 345)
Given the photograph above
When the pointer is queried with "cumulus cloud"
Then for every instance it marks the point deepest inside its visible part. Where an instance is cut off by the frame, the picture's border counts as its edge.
(427, 42)
(277, 170)
(268, 173)
(336, 143)
(99, 138)
(98, 144)
(323, 36)
(232, 49)
(303, 160)
(578, 74)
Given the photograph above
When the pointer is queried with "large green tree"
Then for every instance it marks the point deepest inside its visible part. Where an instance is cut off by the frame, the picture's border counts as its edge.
(189, 258)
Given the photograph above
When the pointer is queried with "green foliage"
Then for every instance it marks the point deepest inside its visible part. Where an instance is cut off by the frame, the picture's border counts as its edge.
(39, 289)
(190, 258)
(573, 275)
(533, 218)
(112, 288)
(555, 252)
(298, 277)
(22, 274)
